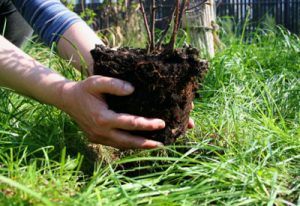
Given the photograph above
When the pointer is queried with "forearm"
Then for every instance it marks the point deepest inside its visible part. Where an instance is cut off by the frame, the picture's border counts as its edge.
(23, 74)
(76, 44)
(55, 23)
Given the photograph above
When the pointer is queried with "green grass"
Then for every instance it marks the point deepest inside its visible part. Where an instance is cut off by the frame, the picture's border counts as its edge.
(245, 149)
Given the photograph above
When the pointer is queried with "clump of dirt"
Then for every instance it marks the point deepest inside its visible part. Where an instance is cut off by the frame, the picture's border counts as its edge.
(165, 85)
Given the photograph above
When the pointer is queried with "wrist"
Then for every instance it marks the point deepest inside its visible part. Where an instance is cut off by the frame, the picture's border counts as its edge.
(64, 95)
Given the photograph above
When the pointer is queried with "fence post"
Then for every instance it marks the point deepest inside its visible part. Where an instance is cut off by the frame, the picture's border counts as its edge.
(202, 26)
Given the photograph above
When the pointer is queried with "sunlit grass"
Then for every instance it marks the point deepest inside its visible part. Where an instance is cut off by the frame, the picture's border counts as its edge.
(245, 149)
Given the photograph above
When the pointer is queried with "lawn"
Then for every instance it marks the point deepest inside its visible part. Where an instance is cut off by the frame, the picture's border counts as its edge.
(244, 150)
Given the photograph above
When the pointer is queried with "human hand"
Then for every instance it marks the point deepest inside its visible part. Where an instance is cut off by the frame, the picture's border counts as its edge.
(191, 123)
(84, 102)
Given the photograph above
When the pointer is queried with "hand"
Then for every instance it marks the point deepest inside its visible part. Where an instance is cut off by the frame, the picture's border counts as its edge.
(84, 102)
(191, 123)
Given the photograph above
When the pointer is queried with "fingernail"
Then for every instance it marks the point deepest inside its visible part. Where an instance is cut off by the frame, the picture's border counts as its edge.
(128, 87)
(161, 123)
(159, 144)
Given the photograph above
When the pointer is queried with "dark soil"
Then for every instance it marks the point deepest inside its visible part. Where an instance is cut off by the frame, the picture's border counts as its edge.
(165, 85)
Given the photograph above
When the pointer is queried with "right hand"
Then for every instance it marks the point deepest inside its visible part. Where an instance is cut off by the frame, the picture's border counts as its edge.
(84, 102)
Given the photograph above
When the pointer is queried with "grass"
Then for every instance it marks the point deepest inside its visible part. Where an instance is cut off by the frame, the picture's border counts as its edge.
(245, 149)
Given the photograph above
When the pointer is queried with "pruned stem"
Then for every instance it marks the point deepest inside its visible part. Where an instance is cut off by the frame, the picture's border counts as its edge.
(178, 11)
(153, 15)
(182, 10)
(176, 26)
(164, 33)
(146, 23)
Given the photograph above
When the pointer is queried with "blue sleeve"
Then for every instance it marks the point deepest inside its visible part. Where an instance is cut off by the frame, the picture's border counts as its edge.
(50, 19)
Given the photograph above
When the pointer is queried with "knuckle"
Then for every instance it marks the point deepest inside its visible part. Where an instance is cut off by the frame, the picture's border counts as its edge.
(116, 83)
(90, 83)
(112, 83)
(107, 81)
(152, 126)
(98, 82)
(101, 121)
(134, 122)
(91, 79)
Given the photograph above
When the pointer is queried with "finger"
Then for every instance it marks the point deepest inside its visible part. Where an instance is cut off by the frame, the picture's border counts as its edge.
(101, 84)
(132, 122)
(124, 140)
(193, 106)
(191, 123)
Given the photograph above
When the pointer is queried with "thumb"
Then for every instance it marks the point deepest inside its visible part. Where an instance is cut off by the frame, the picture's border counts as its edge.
(100, 84)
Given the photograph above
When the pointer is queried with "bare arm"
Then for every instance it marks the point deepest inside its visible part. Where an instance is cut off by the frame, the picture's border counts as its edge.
(23, 74)
(81, 100)
(78, 41)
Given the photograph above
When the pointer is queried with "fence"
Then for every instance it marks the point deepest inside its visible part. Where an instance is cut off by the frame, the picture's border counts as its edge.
(284, 12)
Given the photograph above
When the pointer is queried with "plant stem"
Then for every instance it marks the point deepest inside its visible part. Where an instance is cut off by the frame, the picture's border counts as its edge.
(164, 33)
(176, 26)
(146, 24)
(153, 15)
(182, 10)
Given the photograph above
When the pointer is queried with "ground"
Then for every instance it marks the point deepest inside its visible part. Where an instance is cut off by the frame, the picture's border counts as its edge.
(244, 150)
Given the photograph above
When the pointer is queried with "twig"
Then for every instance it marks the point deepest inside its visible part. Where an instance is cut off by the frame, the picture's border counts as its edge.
(196, 6)
(182, 9)
(146, 23)
(178, 11)
(164, 33)
(153, 15)
(176, 26)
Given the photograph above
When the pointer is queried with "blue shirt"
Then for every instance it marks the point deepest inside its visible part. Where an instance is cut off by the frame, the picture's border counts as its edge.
(6, 7)
(50, 18)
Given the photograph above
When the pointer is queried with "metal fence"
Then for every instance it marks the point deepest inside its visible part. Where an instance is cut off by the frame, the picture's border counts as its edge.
(283, 12)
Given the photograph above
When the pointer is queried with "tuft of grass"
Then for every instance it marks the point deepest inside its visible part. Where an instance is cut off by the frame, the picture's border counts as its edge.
(245, 149)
